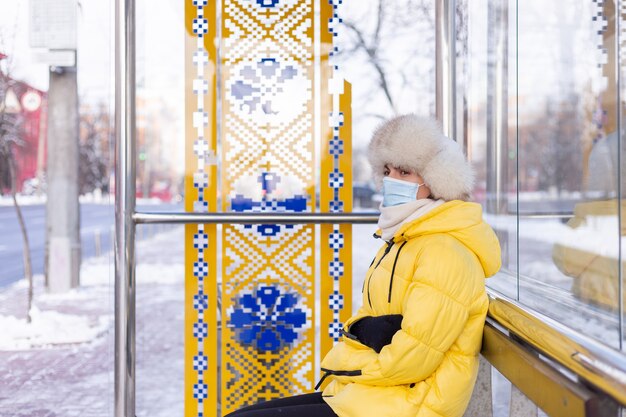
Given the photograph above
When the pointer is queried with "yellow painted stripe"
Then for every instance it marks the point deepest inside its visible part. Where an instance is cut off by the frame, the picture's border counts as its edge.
(209, 347)
(327, 193)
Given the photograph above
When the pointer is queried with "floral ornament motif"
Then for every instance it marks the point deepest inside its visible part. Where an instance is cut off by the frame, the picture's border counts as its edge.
(268, 89)
(268, 319)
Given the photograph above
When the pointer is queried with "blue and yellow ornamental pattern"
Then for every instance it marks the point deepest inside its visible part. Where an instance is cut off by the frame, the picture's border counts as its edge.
(268, 161)
(201, 295)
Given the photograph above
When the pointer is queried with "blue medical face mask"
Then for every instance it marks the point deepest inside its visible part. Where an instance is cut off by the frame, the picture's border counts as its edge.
(397, 192)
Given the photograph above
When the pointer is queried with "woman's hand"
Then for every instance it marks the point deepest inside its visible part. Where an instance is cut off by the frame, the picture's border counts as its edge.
(376, 332)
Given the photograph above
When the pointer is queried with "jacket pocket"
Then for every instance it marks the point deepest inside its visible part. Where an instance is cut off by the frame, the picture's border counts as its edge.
(351, 340)
(329, 372)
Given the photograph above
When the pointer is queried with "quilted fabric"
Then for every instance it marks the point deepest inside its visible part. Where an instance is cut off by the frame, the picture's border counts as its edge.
(437, 282)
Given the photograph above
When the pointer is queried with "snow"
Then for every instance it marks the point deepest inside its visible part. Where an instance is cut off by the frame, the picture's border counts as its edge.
(23, 200)
(85, 313)
(90, 198)
(598, 234)
(49, 328)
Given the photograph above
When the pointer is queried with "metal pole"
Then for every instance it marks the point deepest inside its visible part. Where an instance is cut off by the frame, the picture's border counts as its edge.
(620, 179)
(124, 208)
(255, 218)
(445, 56)
(497, 109)
(497, 116)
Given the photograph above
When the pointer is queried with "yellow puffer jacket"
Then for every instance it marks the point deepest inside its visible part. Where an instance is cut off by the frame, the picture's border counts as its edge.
(439, 264)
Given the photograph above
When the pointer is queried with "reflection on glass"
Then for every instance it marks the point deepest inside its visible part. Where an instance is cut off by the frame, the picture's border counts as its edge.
(491, 131)
(560, 168)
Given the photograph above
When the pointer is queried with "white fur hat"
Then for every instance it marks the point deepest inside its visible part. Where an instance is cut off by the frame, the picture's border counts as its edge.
(418, 144)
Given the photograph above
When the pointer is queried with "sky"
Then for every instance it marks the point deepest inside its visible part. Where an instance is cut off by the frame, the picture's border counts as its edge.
(159, 62)
(96, 46)
(93, 41)
(14, 41)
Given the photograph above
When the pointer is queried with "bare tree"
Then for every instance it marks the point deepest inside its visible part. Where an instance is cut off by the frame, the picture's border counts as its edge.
(371, 45)
(371, 36)
(10, 138)
(392, 46)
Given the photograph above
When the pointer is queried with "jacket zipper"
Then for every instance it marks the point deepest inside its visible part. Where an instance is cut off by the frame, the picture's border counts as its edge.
(328, 372)
(389, 245)
(393, 270)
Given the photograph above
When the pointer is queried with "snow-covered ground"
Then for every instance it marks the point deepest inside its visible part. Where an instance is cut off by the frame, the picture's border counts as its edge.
(62, 363)
(91, 198)
(23, 200)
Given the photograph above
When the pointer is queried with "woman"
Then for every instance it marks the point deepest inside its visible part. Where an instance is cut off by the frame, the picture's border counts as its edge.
(412, 348)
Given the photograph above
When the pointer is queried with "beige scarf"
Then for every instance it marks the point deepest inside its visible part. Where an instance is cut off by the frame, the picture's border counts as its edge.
(391, 218)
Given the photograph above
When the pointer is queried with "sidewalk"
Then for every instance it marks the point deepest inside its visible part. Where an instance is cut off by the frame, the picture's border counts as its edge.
(58, 373)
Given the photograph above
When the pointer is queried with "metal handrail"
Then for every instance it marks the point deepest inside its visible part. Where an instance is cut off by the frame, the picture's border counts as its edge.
(600, 365)
(256, 218)
(544, 215)
(149, 217)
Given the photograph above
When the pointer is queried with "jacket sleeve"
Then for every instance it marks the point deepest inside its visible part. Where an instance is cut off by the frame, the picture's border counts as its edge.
(435, 309)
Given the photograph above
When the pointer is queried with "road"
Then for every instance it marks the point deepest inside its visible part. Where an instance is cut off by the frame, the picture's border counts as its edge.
(96, 219)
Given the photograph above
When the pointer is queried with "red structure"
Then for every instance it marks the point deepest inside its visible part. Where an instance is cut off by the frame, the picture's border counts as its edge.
(30, 105)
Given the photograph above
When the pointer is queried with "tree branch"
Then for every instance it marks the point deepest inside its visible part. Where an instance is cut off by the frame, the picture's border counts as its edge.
(379, 23)
(374, 60)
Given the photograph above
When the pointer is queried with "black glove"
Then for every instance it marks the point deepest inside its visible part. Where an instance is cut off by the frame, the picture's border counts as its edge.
(376, 332)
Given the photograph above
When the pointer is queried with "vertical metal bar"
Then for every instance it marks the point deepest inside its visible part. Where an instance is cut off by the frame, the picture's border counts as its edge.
(461, 65)
(497, 110)
(124, 208)
(497, 113)
(620, 171)
(517, 146)
(445, 56)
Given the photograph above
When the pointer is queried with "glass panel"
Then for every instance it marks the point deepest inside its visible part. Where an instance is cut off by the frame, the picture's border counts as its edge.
(491, 133)
(548, 170)
(622, 177)
(567, 164)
